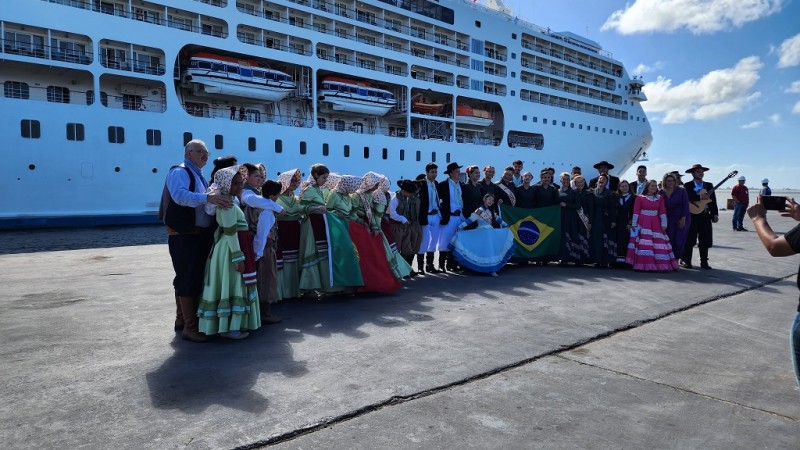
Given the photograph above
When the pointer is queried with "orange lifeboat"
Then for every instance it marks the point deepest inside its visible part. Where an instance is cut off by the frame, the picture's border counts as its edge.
(467, 115)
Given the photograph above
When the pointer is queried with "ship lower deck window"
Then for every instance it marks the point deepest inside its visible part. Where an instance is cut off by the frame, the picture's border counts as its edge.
(132, 102)
(219, 143)
(366, 152)
(419, 155)
(153, 137)
(116, 135)
(75, 132)
(535, 119)
(385, 153)
(544, 121)
(186, 137)
(346, 151)
(326, 149)
(433, 156)
(303, 148)
(57, 94)
(16, 89)
(251, 144)
(89, 97)
(30, 129)
(278, 146)
(402, 155)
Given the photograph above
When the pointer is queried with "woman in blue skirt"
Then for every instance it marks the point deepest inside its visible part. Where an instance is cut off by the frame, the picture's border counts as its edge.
(488, 247)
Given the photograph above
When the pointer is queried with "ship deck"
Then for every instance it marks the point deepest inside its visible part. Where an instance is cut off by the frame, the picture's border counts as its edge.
(536, 358)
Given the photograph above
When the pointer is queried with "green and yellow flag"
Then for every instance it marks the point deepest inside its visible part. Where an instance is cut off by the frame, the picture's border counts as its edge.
(537, 231)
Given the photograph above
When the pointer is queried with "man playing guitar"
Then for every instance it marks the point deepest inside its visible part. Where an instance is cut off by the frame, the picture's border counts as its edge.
(700, 226)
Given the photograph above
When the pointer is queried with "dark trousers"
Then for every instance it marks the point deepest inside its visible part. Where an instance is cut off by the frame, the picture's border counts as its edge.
(700, 233)
(189, 253)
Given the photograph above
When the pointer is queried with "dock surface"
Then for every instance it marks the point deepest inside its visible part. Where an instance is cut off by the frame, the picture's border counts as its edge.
(539, 357)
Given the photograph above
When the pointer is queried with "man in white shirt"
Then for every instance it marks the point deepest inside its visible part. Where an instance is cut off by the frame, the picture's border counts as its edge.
(429, 216)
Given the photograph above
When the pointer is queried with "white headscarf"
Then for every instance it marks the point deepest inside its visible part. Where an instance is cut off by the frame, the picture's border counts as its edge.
(285, 179)
(222, 183)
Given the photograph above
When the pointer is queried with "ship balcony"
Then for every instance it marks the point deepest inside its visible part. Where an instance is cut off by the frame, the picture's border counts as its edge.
(70, 52)
(637, 95)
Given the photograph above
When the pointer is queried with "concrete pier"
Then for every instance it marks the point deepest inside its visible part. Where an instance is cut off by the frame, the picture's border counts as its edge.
(539, 357)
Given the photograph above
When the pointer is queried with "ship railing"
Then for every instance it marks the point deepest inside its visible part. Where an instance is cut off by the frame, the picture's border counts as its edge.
(617, 100)
(132, 65)
(14, 47)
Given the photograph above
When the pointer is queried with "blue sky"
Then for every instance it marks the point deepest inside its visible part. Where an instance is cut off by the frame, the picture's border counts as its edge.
(722, 77)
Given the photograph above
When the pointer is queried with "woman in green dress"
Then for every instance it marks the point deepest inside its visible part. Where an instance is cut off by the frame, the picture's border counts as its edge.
(288, 231)
(228, 307)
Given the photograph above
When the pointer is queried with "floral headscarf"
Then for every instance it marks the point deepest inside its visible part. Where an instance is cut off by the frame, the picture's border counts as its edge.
(285, 179)
(310, 181)
(383, 188)
(348, 184)
(333, 181)
(222, 183)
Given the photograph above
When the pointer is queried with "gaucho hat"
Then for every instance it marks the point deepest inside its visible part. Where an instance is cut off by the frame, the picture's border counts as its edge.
(604, 163)
(695, 167)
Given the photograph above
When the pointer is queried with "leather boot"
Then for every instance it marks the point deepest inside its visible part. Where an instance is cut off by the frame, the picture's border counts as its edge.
(178, 315)
(421, 263)
(410, 261)
(267, 318)
(189, 311)
(429, 263)
(704, 259)
(443, 257)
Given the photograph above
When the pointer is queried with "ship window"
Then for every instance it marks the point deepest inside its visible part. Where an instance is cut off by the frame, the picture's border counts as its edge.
(232, 69)
(617, 132)
(217, 67)
(580, 126)
(103, 98)
(433, 156)
(57, 94)
(572, 124)
(402, 154)
(218, 142)
(153, 137)
(447, 157)
(595, 129)
(303, 148)
(555, 122)
(133, 102)
(258, 74)
(419, 155)
(204, 65)
(116, 135)
(74, 131)
(385, 153)
(563, 124)
(89, 97)
(325, 149)
(513, 93)
(513, 55)
(338, 125)
(16, 89)
(524, 117)
(624, 133)
(604, 130)
(30, 129)
(478, 23)
(186, 137)
(535, 119)
(278, 146)
(366, 152)
(346, 151)
(322, 123)
(544, 121)
(251, 144)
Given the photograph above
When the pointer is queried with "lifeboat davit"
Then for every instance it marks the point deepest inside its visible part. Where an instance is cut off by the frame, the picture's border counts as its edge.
(231, 77)
(339, 94)
(467, 115)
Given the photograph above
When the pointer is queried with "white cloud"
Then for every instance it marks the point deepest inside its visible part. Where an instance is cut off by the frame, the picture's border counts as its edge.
(644, 68)
(752, 125)
(775, 118)
(718, 93)
(697, 16)
(794, 88)
(789, 52)
(796, 109)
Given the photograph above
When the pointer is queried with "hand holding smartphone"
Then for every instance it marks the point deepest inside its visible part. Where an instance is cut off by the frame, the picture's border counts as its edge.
(773, 202)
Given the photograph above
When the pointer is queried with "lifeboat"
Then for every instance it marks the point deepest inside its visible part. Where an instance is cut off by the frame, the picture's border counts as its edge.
(420, 106)
(467, 115)
(231, 77)
(339, 94)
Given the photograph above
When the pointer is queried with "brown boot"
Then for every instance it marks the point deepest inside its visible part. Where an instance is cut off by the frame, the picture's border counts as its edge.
(178, 315)
(189, 311)
(267, 318)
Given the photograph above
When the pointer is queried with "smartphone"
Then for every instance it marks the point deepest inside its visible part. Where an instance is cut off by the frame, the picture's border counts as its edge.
(773, 202)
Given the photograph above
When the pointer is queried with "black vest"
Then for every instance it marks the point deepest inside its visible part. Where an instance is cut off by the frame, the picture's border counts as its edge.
(179, 218)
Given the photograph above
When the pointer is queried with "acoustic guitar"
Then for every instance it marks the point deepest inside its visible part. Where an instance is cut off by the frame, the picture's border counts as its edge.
(698, 206)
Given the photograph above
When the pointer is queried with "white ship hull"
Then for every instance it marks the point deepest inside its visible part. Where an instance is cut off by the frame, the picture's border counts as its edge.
(74, 156)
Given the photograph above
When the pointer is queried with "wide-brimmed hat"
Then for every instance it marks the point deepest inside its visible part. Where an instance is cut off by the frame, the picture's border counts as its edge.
(603, 163)
(452, 166)
(695, 167)
(676, 174)
(408, 186)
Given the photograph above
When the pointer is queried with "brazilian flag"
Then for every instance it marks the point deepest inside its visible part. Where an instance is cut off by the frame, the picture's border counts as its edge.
(537, 231)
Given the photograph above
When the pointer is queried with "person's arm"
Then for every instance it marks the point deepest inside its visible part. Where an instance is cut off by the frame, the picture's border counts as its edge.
(260, 239)
(637, 208)
(775, 245)
(469, 221)
(393, 204)
(178, 186)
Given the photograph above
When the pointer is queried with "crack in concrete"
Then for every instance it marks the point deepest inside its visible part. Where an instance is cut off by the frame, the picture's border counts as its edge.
(677, 388)
(400, 399)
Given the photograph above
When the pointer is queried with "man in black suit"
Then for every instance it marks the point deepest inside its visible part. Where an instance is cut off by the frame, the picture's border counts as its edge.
(451, 195)
(429, 217)
(603, 167)
(700, 230)
(637, 187)
(472, 194)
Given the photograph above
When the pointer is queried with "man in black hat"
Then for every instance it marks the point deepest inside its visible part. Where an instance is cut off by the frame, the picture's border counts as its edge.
(429, 216)
(603, 167)
(704, 212)
(450, 193)
(404, 220)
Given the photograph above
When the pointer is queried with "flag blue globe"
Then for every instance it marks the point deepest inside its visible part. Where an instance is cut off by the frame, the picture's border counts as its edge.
(528, 232)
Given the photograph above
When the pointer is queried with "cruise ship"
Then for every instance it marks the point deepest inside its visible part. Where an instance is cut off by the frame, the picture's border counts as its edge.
(100, 96)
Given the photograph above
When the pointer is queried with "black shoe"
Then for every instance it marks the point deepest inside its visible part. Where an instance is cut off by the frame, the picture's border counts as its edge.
(741, 229)
(686, 265)
(431, 269)
(705, 265)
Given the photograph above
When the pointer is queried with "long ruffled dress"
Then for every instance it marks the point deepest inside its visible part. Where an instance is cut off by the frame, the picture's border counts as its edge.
(374, 253)
(227, 304)
(575, 236)
(484, 249)
(649, 248)
(315, 272)
(288, 251)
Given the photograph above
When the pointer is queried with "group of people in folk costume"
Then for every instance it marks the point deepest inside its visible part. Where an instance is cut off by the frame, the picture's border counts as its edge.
(343, 234)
